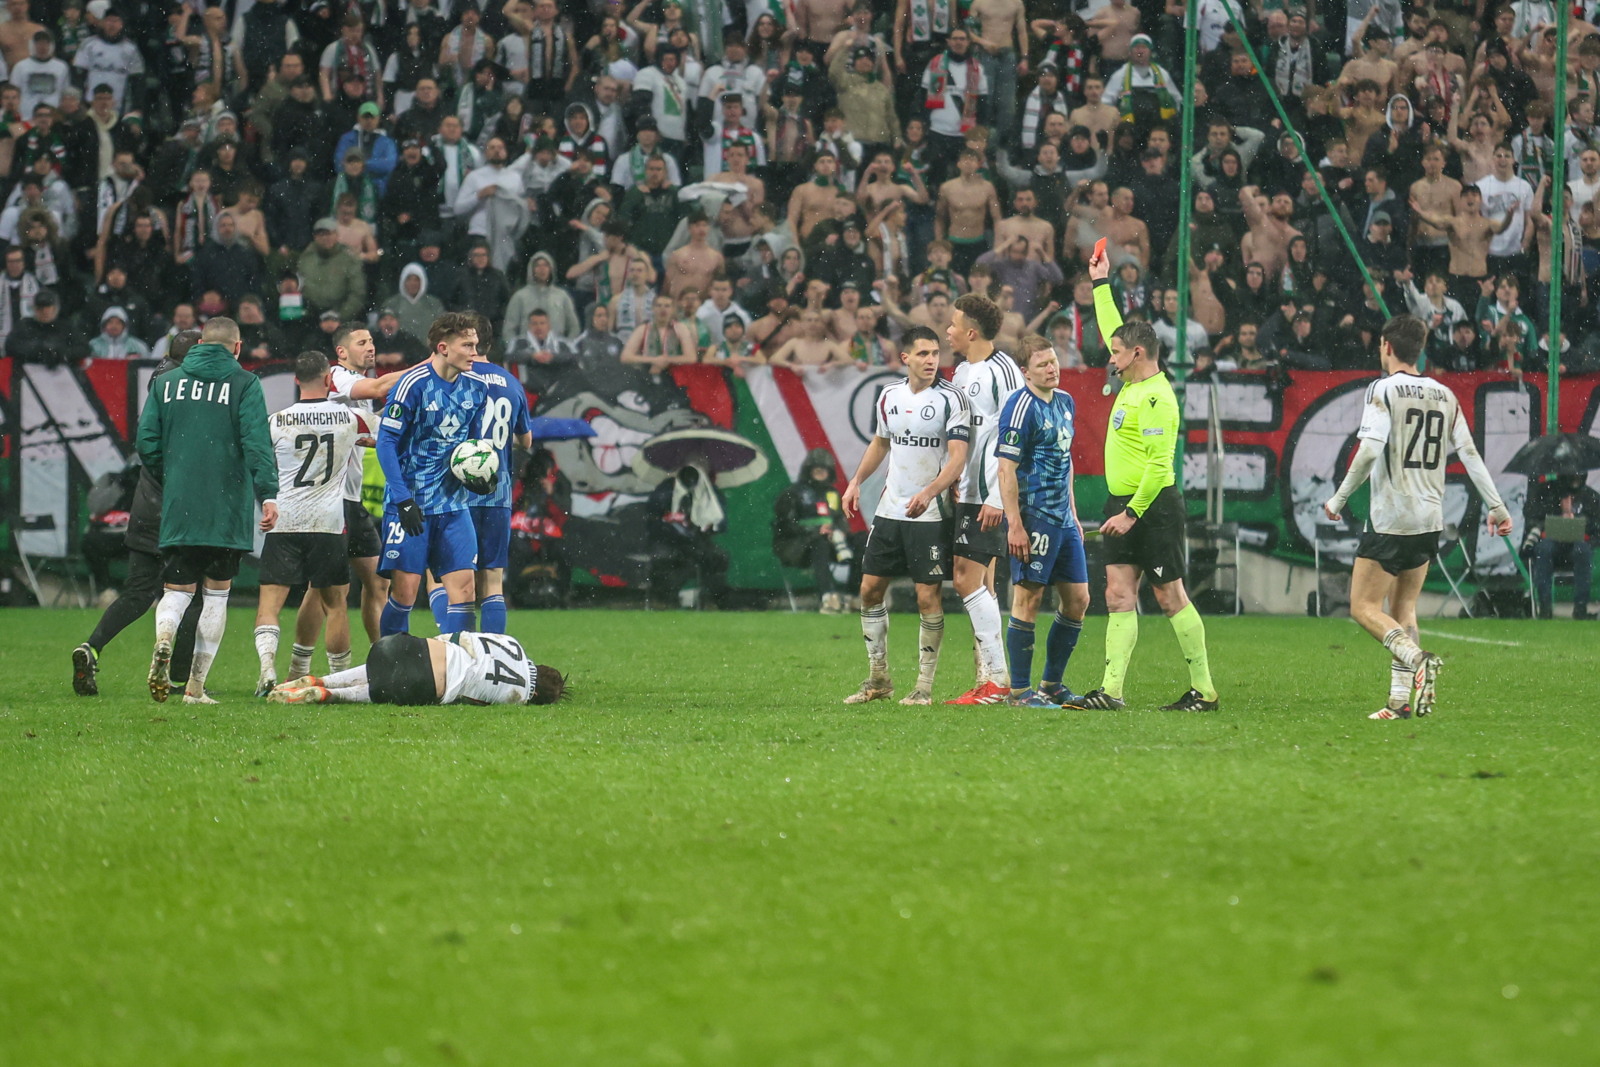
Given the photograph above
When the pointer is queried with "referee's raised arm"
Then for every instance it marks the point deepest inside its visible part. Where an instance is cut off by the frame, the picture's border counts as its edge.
(1106, 315)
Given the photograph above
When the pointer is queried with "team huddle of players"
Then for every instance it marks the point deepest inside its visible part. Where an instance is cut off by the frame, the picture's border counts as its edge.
(1000, 433)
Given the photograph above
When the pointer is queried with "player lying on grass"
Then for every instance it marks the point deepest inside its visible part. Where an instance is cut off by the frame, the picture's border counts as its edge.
(1411, 423)
(458, 668)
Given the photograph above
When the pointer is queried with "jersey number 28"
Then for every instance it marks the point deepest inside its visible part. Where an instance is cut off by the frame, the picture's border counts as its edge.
(497, 421)
(1428, 429)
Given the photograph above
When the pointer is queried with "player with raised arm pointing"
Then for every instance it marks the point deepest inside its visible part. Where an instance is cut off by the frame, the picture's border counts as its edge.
(1144, 524)
(922, 430)
(434, 407)
(1410, 423)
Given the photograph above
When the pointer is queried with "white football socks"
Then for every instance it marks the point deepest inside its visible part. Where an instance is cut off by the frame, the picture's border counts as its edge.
(300, 659)
(213, 620)
(875, 628)
(1403, 648)
(169, 613)
(339, 661)
(984, 611)
(1400, 675)
(267, 649)
(929, 640)
(345, 678)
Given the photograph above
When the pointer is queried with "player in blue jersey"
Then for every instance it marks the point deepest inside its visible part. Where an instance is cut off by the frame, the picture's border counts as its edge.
(427, 526)
(505, 421)
(1034, 447)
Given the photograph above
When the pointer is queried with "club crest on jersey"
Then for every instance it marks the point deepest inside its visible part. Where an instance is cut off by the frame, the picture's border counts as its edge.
(1117, 417)
(449, 425)
(926, 412)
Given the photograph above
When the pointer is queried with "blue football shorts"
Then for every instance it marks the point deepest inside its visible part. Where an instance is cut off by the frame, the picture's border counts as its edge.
(448, 543)
(494, 537)
(1055, 554)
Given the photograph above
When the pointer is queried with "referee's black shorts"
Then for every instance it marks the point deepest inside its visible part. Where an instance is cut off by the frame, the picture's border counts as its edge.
(1155, 544)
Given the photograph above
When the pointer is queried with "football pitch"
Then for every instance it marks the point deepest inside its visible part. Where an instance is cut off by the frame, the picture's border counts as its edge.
(703, 858)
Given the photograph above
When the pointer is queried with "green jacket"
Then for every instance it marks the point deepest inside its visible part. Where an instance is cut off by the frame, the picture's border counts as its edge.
(203, 435)
(333, 283)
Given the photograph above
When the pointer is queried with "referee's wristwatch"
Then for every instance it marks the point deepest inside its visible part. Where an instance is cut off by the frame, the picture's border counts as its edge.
(1128, 511)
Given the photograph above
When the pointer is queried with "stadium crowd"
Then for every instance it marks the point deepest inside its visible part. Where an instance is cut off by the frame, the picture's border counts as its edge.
(793, 181)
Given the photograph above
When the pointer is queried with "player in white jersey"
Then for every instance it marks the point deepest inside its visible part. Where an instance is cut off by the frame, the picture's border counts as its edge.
(1409, 425)
(312, 440)
(349, 385)
(986, 377)
(459, 668)
(922, 430)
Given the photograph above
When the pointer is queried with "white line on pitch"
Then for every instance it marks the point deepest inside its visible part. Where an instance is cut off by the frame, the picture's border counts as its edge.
(1473, 640)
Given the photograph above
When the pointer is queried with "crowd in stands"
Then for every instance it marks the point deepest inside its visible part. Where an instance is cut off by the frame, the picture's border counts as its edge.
(629, 186)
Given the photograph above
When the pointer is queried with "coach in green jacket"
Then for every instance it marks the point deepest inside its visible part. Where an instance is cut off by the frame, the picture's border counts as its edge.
(203, 434)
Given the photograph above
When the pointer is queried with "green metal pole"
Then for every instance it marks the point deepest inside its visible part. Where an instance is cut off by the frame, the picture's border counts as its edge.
(1310, 165)
(1558, 226)
(1185, 183)
(1181, 355)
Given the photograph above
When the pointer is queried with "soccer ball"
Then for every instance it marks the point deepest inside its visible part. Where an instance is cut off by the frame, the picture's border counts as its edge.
(476, 465)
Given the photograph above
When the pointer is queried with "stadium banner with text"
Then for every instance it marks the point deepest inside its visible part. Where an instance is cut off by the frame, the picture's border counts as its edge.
(1286, 448)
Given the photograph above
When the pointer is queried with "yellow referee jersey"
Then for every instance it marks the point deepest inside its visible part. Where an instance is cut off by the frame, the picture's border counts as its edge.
(1143, 434)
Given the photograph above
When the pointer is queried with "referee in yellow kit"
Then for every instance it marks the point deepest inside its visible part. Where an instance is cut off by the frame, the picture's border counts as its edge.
(1143, 530)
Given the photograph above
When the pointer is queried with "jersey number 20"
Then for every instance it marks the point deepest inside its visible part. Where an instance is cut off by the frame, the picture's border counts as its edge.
(1427, 428)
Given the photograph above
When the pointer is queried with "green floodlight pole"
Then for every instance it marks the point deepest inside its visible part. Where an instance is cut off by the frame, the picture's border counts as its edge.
(1558, 226)
(1311, 167)
(1180, 348)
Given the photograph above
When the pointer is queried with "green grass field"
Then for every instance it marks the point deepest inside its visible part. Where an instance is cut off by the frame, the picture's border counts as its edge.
(704, 858)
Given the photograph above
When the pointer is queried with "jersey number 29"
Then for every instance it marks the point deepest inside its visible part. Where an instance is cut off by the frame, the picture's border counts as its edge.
(1428, 429)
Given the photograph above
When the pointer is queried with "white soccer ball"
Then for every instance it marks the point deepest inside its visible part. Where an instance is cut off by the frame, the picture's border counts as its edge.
(476, 464)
